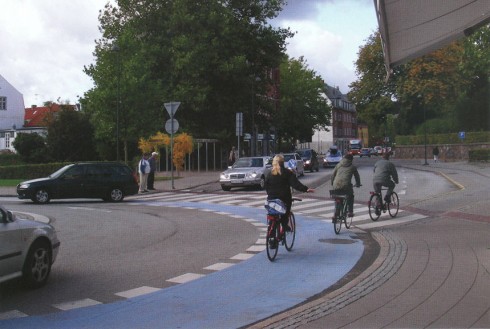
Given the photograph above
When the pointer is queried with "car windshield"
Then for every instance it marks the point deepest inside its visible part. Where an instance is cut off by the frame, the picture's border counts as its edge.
(334, 152)
(60, 171)
(288, 157)
(247, 163)
(305, 153)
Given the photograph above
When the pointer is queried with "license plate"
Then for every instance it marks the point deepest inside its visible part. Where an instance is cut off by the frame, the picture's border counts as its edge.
(237, 181)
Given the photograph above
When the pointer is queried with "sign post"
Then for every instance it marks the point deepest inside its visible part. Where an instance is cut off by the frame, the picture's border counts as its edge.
(171, 126)
(239, 129)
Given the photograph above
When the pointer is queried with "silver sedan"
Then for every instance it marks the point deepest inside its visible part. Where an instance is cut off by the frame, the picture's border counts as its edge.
(249, 171)
(28, 248)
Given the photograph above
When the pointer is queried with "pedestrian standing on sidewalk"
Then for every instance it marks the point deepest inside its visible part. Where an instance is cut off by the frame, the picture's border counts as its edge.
(144, 171)
(153, 167)
(435, 153)
(232, 157)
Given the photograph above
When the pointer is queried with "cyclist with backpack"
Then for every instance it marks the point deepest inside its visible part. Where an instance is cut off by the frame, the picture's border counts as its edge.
(278, 183)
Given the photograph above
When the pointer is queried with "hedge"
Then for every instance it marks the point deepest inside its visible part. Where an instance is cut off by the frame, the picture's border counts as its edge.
(479, 155)
(453, 138)
(29, 171)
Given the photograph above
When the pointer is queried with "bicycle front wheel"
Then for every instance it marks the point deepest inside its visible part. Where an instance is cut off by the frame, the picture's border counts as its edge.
(337, 223)
(374, 207)
(394, 205)
(272, 239)
(290, 236)
(347, 220)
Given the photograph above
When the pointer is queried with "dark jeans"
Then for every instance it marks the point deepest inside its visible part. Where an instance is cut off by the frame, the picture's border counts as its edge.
(151, 180)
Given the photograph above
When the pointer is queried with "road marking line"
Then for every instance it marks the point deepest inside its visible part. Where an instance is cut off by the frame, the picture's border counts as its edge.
(402, 220)
(76, 304)
(12, 315)
(137, 292)
(242, 256)
(256, 248)
(185, 278)
(218, 266)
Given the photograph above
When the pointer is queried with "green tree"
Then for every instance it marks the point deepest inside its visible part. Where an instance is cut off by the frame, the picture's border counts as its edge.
(71, 137)
(203, 53)
(303, 103)
(31, 148)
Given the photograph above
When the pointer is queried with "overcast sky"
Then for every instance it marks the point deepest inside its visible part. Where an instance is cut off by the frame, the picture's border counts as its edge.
(46, 43)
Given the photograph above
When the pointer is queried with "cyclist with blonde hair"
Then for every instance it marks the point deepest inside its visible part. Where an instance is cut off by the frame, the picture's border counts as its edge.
(278, 183)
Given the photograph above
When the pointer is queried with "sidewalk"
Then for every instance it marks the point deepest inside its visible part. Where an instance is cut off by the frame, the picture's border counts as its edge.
(185, 180)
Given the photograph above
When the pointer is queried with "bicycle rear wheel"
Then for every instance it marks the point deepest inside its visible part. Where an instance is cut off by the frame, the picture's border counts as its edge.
(272, 239)
(394, 205)
(291, 235)
(374, 207)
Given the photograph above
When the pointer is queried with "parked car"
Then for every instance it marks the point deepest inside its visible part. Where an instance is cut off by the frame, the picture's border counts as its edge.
(365, 152)
(248, 171)
(111, 181)
(294, 162)
(332, 158)
(29, 249)
(310, 159)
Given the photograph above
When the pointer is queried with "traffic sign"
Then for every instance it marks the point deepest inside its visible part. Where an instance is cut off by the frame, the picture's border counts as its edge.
(171, 126)
(461, 134)
(172, 108)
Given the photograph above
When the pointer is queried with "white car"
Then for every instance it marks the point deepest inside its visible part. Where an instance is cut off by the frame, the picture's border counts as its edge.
(28, 249)
(294, 162)
(249, 171)
(333, 157)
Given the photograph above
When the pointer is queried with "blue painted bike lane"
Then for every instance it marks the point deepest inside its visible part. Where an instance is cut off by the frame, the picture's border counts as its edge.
(239, 295)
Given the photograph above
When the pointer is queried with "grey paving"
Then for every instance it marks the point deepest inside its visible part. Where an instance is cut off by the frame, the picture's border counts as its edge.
(432, 273)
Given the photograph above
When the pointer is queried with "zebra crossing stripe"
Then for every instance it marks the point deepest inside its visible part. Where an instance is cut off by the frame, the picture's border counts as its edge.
(402, 220)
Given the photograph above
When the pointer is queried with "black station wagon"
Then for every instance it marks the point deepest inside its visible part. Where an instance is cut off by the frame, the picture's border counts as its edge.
(110, 181)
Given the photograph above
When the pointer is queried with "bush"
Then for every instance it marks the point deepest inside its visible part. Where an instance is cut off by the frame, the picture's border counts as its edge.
(29, 171)
(452, 138)
(479, 155)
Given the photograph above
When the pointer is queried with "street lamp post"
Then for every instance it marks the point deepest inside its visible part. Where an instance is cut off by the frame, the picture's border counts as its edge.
(425, 140)
(115, 48)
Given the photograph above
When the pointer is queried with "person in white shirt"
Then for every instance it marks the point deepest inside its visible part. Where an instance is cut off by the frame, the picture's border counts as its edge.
(143, 171)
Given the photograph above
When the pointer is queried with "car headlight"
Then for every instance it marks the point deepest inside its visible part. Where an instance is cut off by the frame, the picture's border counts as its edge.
(251, 175)
(224, 176)
(307, 162)
(24, 186)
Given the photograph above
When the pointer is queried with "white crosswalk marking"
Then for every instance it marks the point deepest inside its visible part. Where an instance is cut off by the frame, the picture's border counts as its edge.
(308, 207)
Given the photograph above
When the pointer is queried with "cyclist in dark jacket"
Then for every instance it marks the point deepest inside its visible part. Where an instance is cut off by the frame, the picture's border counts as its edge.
(342, 180)
(385, 174)
(278, 183)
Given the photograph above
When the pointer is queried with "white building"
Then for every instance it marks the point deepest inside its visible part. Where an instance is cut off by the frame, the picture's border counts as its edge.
(11, 113)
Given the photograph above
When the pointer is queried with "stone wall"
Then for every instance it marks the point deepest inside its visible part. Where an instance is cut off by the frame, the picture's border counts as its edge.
(447, 152)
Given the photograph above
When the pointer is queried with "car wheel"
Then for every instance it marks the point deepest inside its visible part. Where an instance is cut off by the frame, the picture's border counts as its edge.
(37, 265)
(116, 195)
(41, 196)
(225, 188)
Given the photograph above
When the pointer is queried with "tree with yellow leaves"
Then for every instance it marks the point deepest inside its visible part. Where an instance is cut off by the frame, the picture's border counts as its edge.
(154, 143)
(183, 145)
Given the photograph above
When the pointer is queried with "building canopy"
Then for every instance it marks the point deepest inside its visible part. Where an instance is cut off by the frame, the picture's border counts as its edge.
(413, 28)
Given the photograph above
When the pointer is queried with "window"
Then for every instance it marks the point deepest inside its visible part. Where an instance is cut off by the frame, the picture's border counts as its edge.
(3, 103)
(7, 140)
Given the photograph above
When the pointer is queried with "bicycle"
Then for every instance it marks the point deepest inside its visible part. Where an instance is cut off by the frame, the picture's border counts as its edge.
(340, 211)
(275, 233)
(377, 205)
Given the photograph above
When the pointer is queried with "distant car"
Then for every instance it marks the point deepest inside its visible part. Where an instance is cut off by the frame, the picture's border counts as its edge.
(248, 171)
(310, 159)
(332, 158)
(378, 150)
(294, 162)
(29, 249)
(110, 181)
(365, 152)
